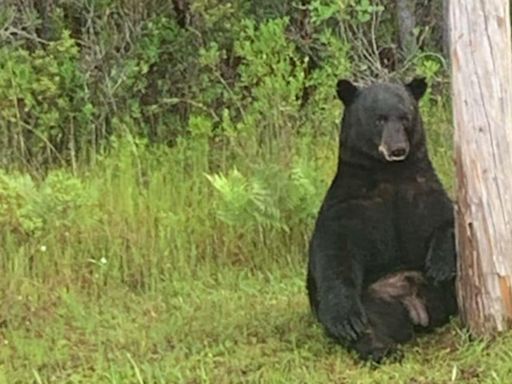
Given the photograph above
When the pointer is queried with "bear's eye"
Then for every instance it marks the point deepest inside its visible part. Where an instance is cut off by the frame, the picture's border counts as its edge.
(404, 119)
(381, 119)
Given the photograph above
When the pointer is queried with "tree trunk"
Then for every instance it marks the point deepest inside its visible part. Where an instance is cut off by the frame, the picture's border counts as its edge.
(446, 28)
(405, 10)
(481, 56)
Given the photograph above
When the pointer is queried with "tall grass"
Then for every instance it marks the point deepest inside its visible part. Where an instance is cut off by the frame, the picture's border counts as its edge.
(144, 212)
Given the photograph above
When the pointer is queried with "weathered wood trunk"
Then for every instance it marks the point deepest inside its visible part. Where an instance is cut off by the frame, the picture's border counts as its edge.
(481, 56)
(406, 24)
(446, 28)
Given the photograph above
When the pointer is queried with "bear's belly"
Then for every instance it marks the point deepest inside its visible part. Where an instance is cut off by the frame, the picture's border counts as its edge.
(372, 227)
(395, 231)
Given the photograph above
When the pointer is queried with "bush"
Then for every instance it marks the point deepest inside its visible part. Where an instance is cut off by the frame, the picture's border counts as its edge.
(74, 75)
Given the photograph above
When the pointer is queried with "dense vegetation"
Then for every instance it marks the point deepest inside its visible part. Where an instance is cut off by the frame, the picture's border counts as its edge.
(161, 167)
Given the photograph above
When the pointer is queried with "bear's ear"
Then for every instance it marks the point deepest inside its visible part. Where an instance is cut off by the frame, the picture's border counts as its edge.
(346, 91)
(417, 87)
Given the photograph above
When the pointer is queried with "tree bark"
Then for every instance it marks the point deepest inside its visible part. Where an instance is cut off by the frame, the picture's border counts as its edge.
(406, 17)
(481, 56)
(446, 28)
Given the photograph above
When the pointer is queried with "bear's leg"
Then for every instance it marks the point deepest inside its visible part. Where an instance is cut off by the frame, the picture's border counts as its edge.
(440, 301)
(335, 276)
(391, 321)
(403, 286)
(395, 304)
(389, 325)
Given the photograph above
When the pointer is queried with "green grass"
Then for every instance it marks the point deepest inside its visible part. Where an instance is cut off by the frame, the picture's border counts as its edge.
(223, 325)
(141, 269)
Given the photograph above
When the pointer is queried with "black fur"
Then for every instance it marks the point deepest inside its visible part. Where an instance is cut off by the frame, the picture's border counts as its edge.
(382, 214)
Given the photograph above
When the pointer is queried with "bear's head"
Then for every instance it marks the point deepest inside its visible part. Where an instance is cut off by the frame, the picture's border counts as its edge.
(381, 122)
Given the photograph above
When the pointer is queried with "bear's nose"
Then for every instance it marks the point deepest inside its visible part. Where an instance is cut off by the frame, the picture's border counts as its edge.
(399, 152)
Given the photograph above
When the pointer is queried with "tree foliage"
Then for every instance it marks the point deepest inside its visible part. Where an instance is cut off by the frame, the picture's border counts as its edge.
(76, 72)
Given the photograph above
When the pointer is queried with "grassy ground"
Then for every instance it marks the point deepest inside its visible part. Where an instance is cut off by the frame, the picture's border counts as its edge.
(224, 325)
(141, 269)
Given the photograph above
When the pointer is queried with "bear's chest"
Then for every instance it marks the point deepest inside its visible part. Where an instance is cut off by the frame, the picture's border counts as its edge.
(398, 221)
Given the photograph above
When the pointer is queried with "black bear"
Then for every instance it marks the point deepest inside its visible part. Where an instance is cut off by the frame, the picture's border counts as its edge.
(385, 212)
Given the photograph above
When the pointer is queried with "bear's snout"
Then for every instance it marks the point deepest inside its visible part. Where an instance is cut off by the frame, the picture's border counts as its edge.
(396, 153)
(394, 145)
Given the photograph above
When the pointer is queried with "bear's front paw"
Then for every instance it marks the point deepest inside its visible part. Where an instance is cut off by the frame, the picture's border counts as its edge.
(441, 257)
(343, 324)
